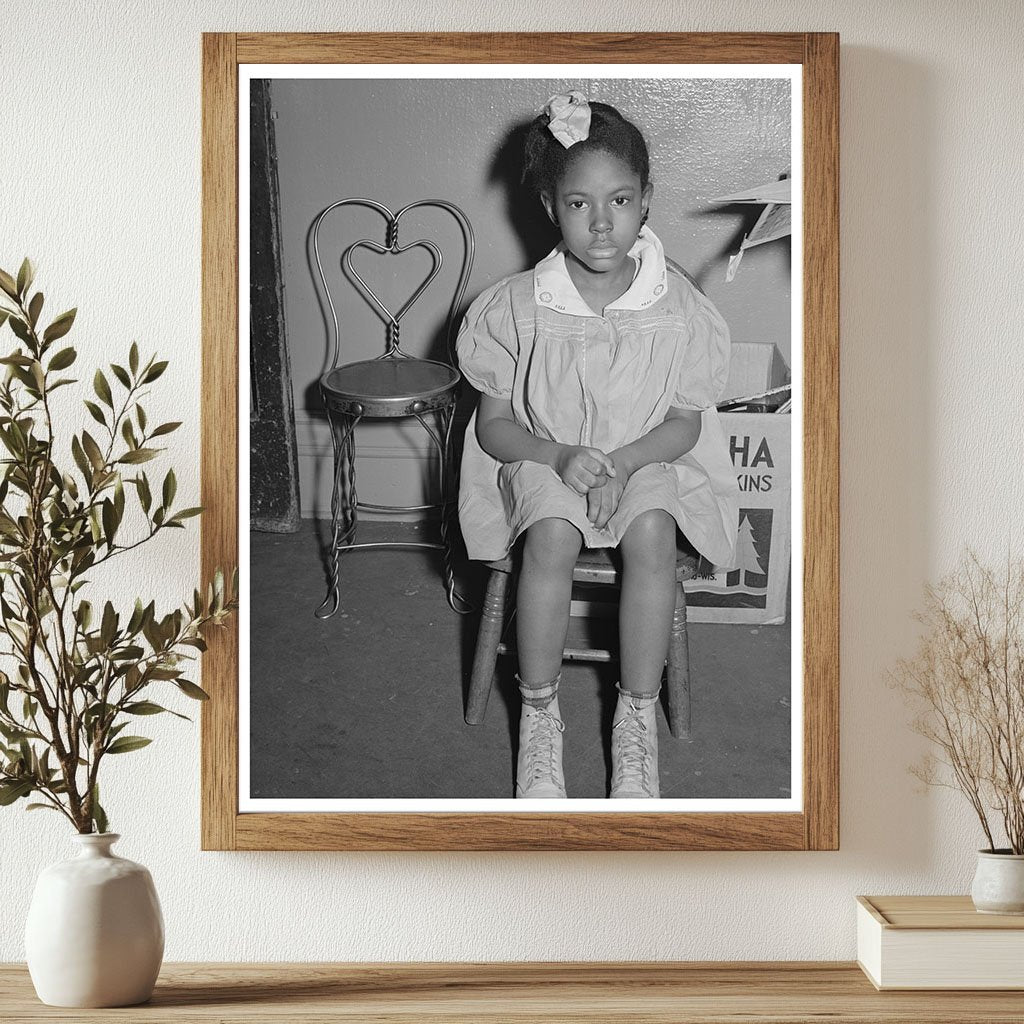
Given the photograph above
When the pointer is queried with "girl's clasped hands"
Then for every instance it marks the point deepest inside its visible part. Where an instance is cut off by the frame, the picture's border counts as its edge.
(593, 474)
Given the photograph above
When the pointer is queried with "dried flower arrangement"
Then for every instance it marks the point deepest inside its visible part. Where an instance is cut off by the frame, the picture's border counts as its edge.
(967, 679)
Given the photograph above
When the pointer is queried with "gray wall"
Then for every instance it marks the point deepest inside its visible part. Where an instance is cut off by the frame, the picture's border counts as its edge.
(397, 141)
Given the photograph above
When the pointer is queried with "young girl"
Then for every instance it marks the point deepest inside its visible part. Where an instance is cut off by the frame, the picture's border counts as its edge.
(598, 372)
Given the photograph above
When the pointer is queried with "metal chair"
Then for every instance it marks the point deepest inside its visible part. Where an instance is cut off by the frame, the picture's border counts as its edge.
(592, 566)
(390, 386)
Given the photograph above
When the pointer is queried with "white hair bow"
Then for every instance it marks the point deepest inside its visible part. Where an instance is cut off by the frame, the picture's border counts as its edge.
(568, 117)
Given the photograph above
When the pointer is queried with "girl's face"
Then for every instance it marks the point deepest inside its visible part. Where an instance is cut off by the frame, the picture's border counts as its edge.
(598, 206)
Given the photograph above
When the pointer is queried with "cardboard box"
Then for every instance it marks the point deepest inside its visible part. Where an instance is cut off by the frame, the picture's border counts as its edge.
(756, 588)
(754, 367)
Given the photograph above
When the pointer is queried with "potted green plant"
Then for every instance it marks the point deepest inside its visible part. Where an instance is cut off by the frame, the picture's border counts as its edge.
(77, 672)
(967, 682)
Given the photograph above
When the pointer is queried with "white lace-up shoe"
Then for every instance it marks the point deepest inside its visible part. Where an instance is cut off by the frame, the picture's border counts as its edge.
(634, 750)
(539, 765)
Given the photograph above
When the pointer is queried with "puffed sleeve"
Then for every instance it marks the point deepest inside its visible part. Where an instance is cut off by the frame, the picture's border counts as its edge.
(486, 345)
(704, 368)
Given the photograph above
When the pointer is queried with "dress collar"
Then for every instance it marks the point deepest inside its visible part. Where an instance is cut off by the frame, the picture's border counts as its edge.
(553, 288)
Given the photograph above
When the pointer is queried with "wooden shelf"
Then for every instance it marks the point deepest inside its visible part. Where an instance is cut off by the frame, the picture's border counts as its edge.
(695, 993)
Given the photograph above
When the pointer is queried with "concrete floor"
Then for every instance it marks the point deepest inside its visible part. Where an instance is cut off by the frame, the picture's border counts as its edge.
(370, 702)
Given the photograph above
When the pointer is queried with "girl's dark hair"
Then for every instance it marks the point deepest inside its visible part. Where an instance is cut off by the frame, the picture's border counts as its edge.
(545, 159)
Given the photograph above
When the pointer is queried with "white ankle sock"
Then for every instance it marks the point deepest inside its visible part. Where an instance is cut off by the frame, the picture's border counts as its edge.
(639, 700)
(539, 695)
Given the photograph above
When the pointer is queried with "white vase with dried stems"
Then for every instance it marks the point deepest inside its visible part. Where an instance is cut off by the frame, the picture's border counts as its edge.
(967, 683)
(75, 671)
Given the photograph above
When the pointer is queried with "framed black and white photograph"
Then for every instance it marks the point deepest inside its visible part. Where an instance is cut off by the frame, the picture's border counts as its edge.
(429, 333)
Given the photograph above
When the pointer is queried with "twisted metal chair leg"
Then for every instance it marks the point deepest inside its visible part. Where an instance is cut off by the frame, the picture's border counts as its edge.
(344, 504)
(442, 441)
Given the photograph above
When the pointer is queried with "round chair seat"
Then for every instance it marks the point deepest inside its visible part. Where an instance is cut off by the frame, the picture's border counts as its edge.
(390, 387)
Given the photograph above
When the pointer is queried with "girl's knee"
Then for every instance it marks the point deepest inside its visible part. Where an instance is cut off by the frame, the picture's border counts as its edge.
(650, 539)
(553, 543)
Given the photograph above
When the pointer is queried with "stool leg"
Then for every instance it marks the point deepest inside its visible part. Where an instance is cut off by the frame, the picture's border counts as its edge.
(486, 656)
(678, 673)
(456, 601)
(343, 503)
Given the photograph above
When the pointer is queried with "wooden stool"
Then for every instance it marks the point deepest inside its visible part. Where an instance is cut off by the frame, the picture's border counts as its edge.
(594, 565)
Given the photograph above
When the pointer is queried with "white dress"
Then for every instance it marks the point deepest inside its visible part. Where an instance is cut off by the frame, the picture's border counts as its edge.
(579, 378)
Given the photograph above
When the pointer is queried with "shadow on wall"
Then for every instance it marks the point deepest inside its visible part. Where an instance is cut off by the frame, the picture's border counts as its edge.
(523, 209)
(889, 268)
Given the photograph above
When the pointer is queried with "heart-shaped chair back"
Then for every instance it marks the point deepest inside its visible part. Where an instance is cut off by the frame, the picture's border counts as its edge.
(392, 247)
(395, 249)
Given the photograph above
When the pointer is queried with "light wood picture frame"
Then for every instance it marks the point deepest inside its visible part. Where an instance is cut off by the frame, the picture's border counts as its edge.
(815, 825)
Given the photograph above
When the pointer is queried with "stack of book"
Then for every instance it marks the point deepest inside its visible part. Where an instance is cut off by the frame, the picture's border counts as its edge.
(938, 942)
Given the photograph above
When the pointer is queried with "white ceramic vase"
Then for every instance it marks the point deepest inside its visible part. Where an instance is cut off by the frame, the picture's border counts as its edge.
(999, 883)
(95, 933)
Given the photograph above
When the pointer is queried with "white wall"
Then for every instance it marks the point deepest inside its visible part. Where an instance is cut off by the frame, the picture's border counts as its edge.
(100, 183)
